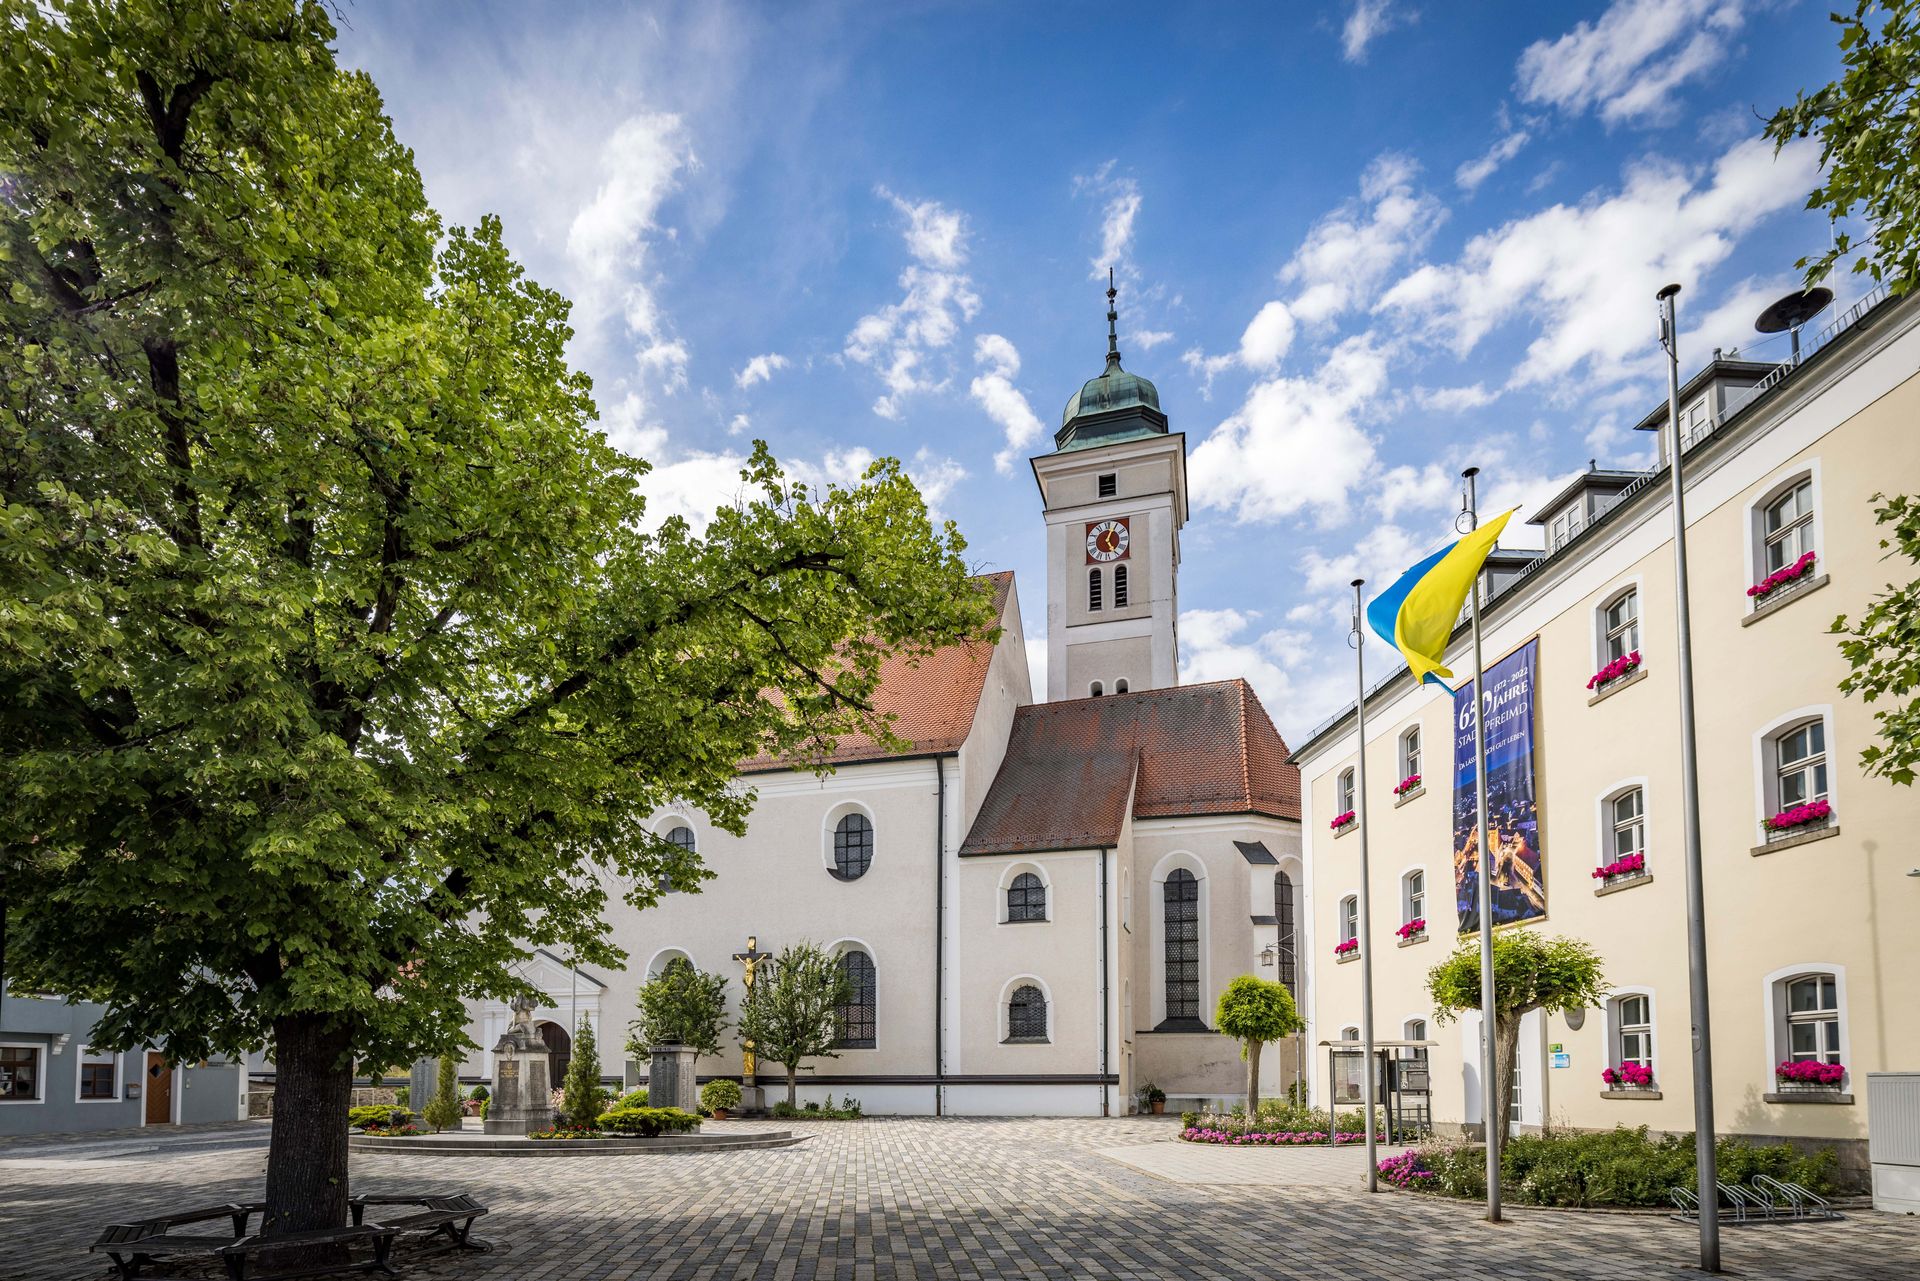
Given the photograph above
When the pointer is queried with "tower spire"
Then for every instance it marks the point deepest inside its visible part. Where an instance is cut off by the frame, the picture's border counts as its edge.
(1113, 316)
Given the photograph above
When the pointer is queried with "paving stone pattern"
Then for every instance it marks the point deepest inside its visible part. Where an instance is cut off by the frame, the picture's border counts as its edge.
(881, 1199)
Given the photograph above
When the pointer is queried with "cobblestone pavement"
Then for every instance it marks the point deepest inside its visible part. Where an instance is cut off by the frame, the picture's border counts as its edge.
(880, 1199)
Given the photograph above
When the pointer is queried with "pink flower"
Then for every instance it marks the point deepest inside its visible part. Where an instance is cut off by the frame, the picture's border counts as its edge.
(1341, 820)
(1780, 576)
(1799, 816)
(1406, 785)
(1618, 667)
(1418, 925)
(1350, 945)
(1811, 1072)
(1638, 1075)
(1626, 865)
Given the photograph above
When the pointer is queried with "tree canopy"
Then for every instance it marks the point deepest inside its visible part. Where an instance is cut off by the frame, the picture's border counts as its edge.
(1868, 123)
(793, 1012)
(683, 1006)
(1254, 1011)
(339, 667)
(1882, 646)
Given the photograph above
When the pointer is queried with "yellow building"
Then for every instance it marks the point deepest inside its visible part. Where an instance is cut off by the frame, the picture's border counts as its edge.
(1813, 954)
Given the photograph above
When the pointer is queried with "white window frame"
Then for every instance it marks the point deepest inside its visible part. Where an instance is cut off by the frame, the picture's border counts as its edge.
(1120, 584)
(1773, 995)
(830, 822)
(1007, 990)
(45, 1052)
(1096, 590)
(1349, 918)
(851, 944)
(1616, 1028)
(1343, 791)
(1407, 912)
(85, 1055)
(1007, 877)
(1604, 631)
(1766, 791)
(1409, 756)
(1176, 860)
(1756, 520)
(1603, 845)
(1407, 1033)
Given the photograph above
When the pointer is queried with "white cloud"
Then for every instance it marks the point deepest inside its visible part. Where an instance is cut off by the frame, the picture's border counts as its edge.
(1470, 175)
(1295, 443)
(1454, 400)
(1297, 680)
(1349, 252)
(1267, 336)
(739, 426)
(629, 430)
(1629, 60)
(759, 370)
(936, 301)
(1405, 488)
(1148, 339)
(1585, 275)
(1116, 227)
(1005, 403)
(1367, 20)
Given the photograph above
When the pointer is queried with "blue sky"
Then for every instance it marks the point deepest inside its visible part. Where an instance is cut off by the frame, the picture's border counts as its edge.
(1361, 245)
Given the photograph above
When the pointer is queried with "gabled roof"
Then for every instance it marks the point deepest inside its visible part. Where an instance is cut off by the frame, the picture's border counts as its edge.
(1184, 751)
(932, 699)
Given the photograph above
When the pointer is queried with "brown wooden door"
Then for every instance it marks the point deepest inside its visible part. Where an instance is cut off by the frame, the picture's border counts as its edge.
(159, 1089)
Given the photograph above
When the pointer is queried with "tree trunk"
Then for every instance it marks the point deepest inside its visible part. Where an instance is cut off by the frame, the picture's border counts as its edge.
(307, 1151)
(1253, 1080)
(792, 1088)
(1506, 1053)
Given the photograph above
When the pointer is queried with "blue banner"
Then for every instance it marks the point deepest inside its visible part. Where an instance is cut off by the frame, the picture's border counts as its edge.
(1519, 880)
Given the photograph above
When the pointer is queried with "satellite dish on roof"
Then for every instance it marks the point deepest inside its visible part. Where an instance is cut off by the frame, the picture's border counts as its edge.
(1793, 311)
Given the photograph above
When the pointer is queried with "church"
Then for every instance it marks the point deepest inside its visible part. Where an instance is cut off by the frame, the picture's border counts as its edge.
(1037, 903)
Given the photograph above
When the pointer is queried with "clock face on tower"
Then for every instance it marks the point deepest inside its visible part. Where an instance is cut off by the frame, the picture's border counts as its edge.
(1107, 540)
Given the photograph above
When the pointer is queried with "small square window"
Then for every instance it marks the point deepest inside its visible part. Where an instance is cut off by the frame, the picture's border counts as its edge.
(1109, 485)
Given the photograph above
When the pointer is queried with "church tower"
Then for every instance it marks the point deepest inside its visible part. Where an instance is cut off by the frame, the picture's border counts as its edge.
(1114, 491)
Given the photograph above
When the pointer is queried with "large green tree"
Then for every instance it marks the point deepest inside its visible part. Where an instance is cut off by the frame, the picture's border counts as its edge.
(1868, 124)
(683, 1006)
(1255, 1011)
(1531, 971)
(336, 669)
(793, 1012)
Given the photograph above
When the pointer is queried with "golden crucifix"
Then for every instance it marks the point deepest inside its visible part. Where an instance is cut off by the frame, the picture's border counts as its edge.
(750, 961)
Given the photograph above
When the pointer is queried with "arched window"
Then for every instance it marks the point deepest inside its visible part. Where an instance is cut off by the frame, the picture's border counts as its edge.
(1413, 896)
(856, 1019)
(1410, 752)
(1343, 792)
(1182, 903)
(1093, 589)
(1416, 1030)
(1813, 1019)
(681, 838)
(1026, 898)
(1800, 764)
(1120, 686)
(1620, 626)
(1631, 1017)
(1786, 527)
(1283, 915)
(852, 847)
(1027, 1014)
(1626, 816)
(1096, 689)
(1119, 586)
(1349, 919)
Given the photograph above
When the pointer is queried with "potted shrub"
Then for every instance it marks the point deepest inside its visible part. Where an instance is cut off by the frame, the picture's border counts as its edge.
(1153, 1098)
(720, 1098)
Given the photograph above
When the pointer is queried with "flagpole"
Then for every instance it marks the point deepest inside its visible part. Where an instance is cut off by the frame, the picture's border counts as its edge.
(1482, 875)
(1366, 897)
(1704, 1157)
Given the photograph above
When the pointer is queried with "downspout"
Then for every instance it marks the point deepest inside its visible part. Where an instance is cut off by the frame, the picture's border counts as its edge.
(939, 935)
(1106, 994)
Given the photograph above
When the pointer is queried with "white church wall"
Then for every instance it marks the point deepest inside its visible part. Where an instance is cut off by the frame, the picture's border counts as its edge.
(1023, 1100)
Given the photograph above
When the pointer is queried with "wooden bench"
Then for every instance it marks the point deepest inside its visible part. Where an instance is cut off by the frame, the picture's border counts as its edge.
(451, 1215)
(236, 1253)
(138, 1244)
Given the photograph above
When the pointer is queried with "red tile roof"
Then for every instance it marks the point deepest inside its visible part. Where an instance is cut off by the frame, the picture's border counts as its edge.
(1187, 750)
(931, 699)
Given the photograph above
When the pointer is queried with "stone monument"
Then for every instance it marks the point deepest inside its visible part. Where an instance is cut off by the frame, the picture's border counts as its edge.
(522, 1100)
(670, 1081)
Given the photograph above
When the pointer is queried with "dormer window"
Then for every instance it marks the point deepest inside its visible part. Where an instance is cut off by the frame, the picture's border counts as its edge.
(1109, 485)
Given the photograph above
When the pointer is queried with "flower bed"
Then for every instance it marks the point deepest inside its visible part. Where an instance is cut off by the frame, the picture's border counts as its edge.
(1628, 1076)
(1811, 1074)
(1418, 925)
(1406, 785)
(1617, 668)
(1341, 820)
(1808, 815)
(1625, 865)
(1351, 945)
(1408, 1170)
(1780, 577)
(567, 1132)
(1268, 1138)
(391, 1131)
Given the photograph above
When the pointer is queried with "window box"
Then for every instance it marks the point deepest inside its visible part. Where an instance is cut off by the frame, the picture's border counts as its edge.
(1800, 818)
(1346, 951)
(1632, 1077)
(1341, 958)
(1808, 1096)
(1776, 842)
(1416, 928)
(1614, 884)
(1784, 579)
(1614, 686)
(1343, 823)
(1630, 1094)
(1623, 666)
(1634, 864)
(1407, 784)
(1780, 598)
(1419, 789)
(1411, 939)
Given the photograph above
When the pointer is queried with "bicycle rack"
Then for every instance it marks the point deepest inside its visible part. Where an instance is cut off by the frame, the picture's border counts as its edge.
(1766, 1200)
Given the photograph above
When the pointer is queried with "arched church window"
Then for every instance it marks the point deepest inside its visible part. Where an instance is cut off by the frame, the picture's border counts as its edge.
(1119, 586)
(1120, 686)
(1027, 1014)
(1093, 589)
(1182, 906)
(1283, 914)
(857, 1018)
(1096, 689)
(681, 838)
(1026, 898)
(852, 847)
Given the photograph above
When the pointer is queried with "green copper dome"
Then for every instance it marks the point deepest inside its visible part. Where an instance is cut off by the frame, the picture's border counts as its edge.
(1114, 389)
(1114, 407)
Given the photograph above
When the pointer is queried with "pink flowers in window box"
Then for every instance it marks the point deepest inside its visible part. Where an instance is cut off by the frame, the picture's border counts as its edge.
(1351, 945)
(1625, 865)
(1341, 820)
(1618, 667)
(1418, 925)
(1406, 785)
(1779, 576)
(1811, 1072)
(1799, 816)
(1630, 1076)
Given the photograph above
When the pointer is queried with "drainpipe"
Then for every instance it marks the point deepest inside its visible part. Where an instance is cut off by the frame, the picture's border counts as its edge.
(939, 935)
(1106, 994)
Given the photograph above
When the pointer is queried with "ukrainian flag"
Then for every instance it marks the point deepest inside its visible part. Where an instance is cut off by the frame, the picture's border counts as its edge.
(1416, 615)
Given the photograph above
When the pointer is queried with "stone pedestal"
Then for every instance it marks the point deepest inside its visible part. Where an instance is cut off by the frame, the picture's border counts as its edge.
(422, 1081)
(670, 1081)
(753, 1101)
(522, 1098)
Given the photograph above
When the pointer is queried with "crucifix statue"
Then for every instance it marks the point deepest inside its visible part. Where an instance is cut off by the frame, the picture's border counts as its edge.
(750, 961)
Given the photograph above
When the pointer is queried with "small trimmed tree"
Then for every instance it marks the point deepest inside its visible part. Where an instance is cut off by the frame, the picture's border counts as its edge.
(1254, 1011)
(580, 1104)
(792, 1014)
(1531, 971)
(684, 1006)
(443, 1110)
